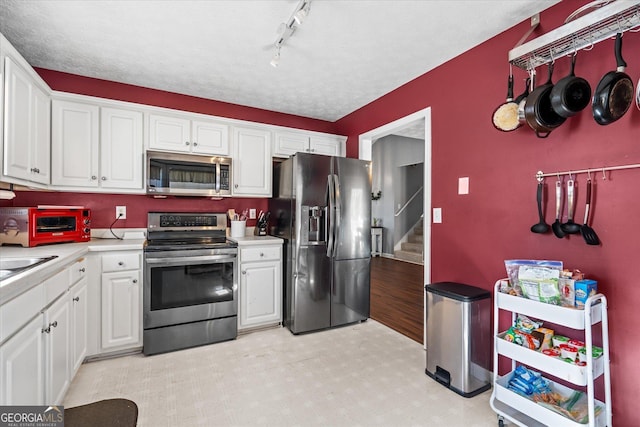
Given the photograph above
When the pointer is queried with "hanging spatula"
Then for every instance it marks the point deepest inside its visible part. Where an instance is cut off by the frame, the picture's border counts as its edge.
(589, 235)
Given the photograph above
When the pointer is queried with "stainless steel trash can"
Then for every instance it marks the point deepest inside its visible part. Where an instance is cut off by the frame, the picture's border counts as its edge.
(459, 337)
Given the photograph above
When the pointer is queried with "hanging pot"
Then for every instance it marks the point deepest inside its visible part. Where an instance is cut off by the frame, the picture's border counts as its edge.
(638, 95)
(505, 117)
(538, 111)
(530, 85)
(614, 94)
(571, 94)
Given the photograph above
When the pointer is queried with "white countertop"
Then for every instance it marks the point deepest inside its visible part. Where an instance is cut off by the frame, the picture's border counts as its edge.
(66, 254)
(256, 240)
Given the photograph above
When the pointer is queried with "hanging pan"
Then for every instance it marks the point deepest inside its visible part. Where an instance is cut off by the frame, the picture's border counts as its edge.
(538, 111)
(571, 94)
(505, 117)
(614, 94)
(638, 95)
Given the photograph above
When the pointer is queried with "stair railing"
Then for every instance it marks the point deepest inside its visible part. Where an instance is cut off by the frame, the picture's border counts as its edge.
(408, 202)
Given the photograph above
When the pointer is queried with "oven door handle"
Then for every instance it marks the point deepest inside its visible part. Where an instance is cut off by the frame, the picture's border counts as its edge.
(192, 259)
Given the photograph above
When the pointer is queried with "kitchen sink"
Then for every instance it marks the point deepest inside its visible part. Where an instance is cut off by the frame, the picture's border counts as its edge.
(11, 266)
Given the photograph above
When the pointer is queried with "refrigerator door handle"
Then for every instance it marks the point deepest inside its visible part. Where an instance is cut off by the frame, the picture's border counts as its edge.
(337, 197)
(331, 216)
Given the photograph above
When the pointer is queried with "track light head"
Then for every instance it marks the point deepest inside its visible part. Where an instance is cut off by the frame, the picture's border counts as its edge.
(275, 61)
(302, 13)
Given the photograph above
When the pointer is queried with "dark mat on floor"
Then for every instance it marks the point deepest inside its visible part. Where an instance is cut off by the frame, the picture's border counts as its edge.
(105, 413)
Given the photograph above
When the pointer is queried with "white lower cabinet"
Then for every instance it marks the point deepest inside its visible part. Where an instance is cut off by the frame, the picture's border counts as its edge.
(58, 350)
(79, 318)
(22, 362)
(260, 286)
(39, 358)
(121, 299)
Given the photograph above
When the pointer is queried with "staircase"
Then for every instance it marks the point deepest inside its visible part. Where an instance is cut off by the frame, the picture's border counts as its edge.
(413, 249)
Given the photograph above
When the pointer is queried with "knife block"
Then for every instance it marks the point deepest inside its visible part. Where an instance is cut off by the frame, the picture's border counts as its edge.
(259, 231)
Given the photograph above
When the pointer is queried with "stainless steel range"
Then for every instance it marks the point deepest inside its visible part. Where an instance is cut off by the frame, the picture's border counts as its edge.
(190, 288)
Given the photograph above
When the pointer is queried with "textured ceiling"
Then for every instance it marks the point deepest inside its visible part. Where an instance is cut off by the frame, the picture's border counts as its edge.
(346, 54)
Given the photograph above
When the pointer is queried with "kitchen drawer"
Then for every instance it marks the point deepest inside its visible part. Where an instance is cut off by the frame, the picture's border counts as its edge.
(17, 312)
(56, 285)
(121, 262)
(263, 253)
(78, 270)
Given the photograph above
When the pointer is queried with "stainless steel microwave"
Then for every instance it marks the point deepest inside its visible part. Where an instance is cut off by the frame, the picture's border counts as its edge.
(172, 174)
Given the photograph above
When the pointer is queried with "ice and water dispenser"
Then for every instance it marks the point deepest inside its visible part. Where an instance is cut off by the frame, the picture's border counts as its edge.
(314, 224)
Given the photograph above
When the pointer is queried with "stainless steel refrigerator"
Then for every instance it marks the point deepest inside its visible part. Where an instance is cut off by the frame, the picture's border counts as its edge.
(321, 206)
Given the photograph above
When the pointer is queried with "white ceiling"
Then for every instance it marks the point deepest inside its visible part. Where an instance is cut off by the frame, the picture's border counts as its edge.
(346, 54)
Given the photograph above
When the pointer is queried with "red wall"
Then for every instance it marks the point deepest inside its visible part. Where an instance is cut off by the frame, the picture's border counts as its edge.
(491, 224)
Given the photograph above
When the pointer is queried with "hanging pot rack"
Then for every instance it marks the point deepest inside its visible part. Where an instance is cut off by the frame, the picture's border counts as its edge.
(541, 175)
(582, 33)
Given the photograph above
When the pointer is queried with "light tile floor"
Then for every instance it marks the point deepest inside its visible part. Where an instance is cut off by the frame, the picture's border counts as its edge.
(360, 375)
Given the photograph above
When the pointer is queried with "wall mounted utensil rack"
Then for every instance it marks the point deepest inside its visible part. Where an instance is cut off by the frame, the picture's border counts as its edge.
(541, 175)
(582, 33)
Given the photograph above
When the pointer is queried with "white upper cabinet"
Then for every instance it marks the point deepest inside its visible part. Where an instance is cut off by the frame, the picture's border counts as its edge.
(96, 147)
(188, 136)
(74, 144)
(252, 168)
(27, 130)
(328, 145)
(289, 143)
(121, 156)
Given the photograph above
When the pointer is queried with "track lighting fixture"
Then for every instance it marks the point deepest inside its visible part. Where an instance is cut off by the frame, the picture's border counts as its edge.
(286, 29)
(276, 58)
(302, 13)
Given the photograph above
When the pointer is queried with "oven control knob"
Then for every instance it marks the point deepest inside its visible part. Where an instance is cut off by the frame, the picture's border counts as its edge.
(86, 221)
(86, 230)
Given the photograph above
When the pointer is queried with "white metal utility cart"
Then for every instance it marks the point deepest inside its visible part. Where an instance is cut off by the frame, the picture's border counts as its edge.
(521, 411)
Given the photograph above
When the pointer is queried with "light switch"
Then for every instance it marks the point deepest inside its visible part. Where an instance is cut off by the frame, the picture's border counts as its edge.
(437, 215)
(463, 185)
(252, 214)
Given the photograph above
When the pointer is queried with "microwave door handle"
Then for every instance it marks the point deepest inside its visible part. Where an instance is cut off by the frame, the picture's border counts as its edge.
(217, 177)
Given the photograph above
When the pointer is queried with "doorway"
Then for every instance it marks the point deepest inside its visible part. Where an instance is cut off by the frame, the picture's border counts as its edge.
(366, 141)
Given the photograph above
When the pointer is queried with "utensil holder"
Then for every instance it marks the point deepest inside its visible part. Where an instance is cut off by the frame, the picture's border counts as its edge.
(238, 228)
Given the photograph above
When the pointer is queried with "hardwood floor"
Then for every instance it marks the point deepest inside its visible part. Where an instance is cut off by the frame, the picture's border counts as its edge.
(397, 296)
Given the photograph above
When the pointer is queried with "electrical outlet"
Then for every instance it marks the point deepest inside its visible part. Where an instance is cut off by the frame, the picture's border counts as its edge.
(121, 212)
(252, 214)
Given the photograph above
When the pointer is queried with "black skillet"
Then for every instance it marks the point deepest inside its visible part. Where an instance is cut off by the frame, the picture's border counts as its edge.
(614, 94)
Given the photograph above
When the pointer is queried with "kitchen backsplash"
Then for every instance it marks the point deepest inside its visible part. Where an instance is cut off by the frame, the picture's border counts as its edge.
(103, 205)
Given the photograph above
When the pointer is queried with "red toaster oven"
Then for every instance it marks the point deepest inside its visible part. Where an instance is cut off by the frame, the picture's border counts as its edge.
(44, 225)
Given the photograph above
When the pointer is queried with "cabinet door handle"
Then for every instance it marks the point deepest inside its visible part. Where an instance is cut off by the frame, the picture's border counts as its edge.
(195, 143)
(236, 186)
(82, 270)
(37, 170)
(76, 299)
(261, 254)
(244, 271)
(135, 280)
(46, 330)
(93, 177)
(120, 263)
(104, 178)
(186, 143)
